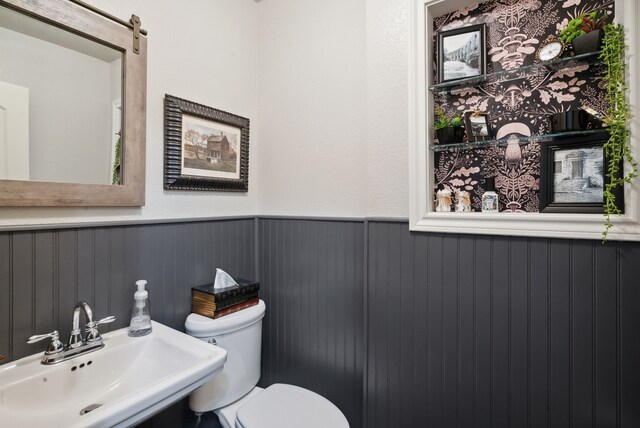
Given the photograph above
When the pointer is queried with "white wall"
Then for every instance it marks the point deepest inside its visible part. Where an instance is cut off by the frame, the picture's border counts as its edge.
(333, 108)
(311, 93)
(201, 50)
(324, 84)
(387, 108)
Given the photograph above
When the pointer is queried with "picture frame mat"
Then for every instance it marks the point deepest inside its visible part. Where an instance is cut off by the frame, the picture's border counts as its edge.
(563, 163)
(192, 122)
(547, 168)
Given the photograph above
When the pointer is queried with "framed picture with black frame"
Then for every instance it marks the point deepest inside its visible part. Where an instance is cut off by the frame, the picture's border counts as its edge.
(461, 53)
(477, 126)
(205, 148)
(573, 176)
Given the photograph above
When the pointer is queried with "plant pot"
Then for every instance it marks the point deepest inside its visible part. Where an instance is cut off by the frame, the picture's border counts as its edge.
(587, 43)
(450, 135)
(573, 120)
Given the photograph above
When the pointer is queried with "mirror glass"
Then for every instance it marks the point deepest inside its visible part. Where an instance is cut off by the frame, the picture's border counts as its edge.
(60, 104)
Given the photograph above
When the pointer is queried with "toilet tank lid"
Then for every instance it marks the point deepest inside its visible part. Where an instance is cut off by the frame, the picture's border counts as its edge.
(199, 326)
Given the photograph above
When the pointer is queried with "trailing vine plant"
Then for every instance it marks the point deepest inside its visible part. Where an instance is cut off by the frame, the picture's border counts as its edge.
(617, 149)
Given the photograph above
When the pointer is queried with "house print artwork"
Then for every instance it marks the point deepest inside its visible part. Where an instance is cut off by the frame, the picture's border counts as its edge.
(210, 149)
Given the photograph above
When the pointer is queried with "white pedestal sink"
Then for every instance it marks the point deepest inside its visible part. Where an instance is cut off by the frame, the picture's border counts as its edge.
(125, 382)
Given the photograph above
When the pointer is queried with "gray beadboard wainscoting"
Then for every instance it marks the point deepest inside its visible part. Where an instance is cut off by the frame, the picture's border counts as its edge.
(481, 331)
(312, 276)
(398, 329)
(43, 273)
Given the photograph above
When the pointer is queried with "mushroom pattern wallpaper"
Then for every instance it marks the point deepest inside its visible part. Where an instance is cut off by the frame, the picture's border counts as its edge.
(515, 29)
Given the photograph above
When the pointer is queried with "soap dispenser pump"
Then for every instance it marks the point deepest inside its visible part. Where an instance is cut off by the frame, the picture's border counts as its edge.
(141, 316)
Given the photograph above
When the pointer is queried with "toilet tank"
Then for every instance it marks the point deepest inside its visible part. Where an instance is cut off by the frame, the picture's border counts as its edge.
(240, 334)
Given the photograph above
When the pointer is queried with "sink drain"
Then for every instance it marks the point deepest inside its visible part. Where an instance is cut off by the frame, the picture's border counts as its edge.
(89, 408)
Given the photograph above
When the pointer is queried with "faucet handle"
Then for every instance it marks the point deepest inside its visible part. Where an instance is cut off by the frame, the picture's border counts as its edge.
(55, 345)
(38, 337)
(105, 320)
(93, 334)
(94, 324)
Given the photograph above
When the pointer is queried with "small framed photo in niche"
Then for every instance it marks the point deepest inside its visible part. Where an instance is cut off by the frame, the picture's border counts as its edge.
(477, 126)
(573, 177)
(205, 148)
(461, 53)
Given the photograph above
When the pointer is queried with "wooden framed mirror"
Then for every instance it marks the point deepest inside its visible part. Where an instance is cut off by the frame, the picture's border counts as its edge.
(82, 144)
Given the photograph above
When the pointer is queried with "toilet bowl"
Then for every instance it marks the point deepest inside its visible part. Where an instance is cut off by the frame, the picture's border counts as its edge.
(233, 395)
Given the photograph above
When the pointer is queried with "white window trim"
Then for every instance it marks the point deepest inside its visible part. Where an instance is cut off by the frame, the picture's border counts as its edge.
(423, 218)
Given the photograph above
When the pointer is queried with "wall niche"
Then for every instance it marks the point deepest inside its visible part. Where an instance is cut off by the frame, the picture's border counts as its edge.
(515, 29)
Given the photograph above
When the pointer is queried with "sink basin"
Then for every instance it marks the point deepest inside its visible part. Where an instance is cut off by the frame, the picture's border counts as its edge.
(125, 382)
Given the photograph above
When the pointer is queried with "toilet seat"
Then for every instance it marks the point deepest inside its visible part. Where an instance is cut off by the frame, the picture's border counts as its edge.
(288, 406)
(227, 414)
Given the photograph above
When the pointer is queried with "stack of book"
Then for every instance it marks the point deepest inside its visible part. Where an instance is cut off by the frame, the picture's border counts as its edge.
(211, 303)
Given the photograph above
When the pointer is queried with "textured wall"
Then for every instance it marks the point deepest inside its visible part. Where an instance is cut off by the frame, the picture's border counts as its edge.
(387, 131)
(44, 273)
(312, 276)
(333, 120)
(311, 94)
(398, 329)
(502, 332)
(203, 51)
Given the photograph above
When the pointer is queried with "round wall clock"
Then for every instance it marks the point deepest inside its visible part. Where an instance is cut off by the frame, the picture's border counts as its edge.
(552, 48)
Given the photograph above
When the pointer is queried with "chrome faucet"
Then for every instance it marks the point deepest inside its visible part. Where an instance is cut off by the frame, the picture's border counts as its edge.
(75, 339)
(57, 351)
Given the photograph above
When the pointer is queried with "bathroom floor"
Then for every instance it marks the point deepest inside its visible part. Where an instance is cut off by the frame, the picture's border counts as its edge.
(179, 415)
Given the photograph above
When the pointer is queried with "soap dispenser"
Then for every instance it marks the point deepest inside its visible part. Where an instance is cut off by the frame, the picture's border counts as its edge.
(141, 316)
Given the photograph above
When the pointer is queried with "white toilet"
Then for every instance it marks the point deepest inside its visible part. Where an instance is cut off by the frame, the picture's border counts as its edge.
(233, 393)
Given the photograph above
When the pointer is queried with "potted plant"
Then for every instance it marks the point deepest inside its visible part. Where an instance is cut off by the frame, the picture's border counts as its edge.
(449, 130)
(617, 117)
(585, 33)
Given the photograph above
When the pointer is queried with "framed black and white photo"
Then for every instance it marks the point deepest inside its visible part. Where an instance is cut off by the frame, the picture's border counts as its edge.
(461, 53)
(205, 148)
(477, 126)
(573, 177)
